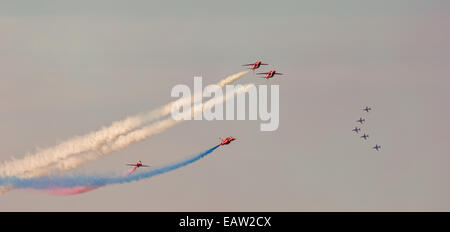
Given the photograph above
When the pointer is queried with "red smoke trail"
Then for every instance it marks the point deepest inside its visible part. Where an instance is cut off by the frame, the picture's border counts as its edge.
(130, 171)
(77, 189)
(68, 191)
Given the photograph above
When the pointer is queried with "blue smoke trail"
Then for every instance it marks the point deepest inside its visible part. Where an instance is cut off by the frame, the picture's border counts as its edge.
(73, 181)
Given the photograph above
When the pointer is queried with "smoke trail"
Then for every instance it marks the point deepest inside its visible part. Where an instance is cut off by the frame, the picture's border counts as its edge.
(92, 141)
(129, 172)
(126, 140)
(73, 146)
(77, 189)
(138, 135)
(77, 182)
(67, 191)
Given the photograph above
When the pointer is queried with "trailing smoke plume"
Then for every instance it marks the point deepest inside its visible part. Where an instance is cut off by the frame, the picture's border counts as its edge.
(79, 184)
(36, 164)
(119, 143)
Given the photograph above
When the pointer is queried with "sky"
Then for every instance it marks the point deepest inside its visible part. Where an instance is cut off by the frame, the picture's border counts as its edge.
(68, 68)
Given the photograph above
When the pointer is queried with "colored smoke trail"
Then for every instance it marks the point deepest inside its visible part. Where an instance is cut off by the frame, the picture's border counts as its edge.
(76, 183)
(68, 191)
(129, 172)
(50, 157)
(135, 136)
(77, 189)
(138, 135)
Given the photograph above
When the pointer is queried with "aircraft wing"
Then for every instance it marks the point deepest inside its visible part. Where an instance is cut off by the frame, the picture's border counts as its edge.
(264, 64)
(130, 164)
(278, 73)
(146, 166)
(247, 64)
(263, 73)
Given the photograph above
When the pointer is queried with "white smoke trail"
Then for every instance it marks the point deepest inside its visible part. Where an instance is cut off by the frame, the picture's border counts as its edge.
(91, 142)
(126, 140)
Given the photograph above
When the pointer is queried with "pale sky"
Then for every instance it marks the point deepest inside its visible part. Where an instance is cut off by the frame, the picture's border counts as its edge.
(70, 68)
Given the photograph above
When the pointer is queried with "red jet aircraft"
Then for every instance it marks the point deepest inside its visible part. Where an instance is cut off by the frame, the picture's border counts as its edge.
(270, 74)
(138, 164)
(255, 65)
(226, 141)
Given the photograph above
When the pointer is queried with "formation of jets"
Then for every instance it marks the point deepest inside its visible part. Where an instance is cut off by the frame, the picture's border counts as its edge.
(228, 140)
(361, 121)
(258, 64)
